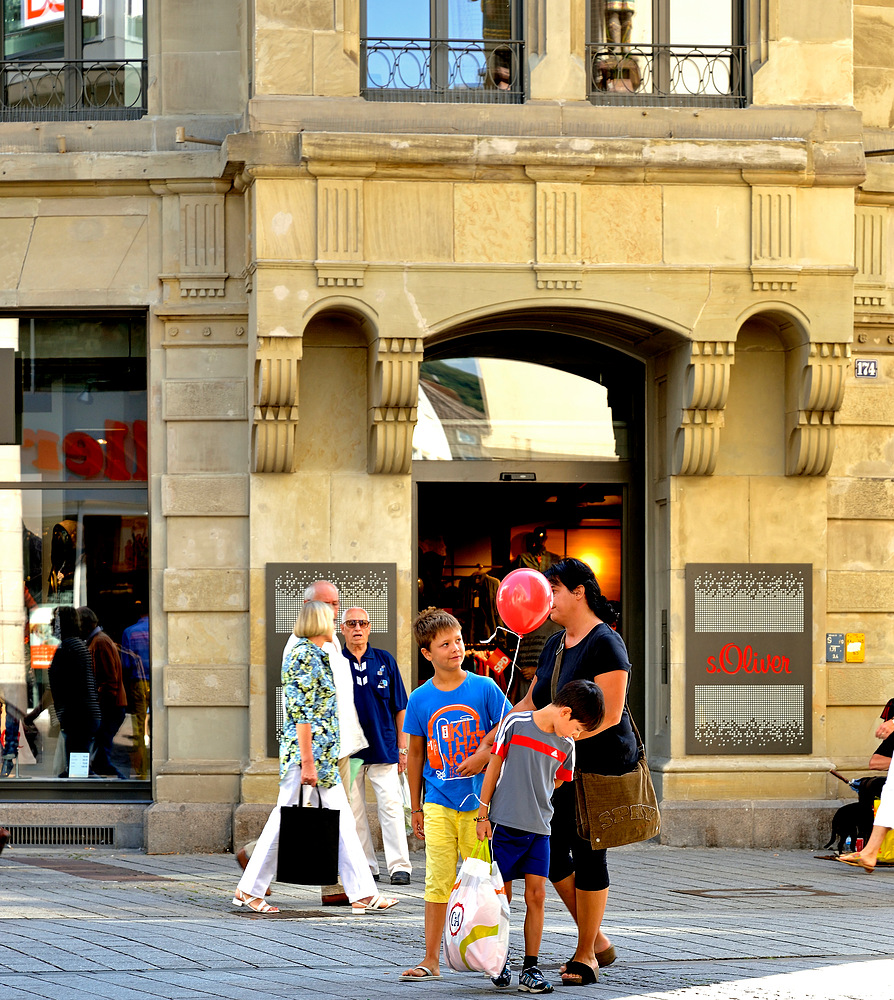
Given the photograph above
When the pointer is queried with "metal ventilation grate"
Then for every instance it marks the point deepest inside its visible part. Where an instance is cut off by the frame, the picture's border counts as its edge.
(61, 836)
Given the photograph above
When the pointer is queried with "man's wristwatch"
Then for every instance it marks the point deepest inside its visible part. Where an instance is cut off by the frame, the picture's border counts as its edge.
(403, 751)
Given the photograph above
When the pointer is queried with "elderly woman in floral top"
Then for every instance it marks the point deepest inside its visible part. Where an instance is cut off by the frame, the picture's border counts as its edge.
(308, 755)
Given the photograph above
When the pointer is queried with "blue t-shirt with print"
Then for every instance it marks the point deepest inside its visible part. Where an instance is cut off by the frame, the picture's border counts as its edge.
(453, 724)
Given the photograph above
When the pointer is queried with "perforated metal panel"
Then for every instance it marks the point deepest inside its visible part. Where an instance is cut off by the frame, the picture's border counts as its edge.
(370, 586)
(749, 669)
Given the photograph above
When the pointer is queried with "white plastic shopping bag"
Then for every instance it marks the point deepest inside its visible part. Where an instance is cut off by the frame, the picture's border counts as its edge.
(476, 934)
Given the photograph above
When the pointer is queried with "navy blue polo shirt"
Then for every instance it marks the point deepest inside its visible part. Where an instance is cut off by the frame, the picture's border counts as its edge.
(379, 694)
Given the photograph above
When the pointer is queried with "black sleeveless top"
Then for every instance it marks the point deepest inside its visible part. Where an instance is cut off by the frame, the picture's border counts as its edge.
(614, 750)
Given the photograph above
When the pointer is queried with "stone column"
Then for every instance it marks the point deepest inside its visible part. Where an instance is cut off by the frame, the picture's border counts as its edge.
(558, 67)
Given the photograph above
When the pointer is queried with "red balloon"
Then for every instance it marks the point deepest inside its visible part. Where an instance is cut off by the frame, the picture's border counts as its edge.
(524, 600)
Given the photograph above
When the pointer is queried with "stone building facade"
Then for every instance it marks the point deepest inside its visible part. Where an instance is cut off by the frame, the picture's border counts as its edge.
(302, 233)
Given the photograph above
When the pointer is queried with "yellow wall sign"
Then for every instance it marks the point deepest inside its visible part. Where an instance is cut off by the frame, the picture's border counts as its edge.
(854, 647)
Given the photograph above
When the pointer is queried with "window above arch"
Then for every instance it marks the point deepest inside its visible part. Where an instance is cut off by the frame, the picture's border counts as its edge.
(667, 53)
(464, 51)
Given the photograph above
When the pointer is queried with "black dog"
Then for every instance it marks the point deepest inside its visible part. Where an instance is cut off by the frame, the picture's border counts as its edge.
(855, 819)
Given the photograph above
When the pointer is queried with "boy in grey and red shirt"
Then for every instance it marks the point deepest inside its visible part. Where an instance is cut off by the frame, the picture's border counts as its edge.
(533, 754)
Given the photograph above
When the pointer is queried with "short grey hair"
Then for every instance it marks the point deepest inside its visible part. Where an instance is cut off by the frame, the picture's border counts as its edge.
(315, 618)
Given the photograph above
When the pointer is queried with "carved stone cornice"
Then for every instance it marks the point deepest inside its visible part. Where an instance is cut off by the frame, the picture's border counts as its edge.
(276, 404)
(706, 389)
(393, 389)
(820, 390)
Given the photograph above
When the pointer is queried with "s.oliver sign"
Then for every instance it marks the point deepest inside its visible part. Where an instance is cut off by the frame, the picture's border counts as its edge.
(42, 11)
(749, 663)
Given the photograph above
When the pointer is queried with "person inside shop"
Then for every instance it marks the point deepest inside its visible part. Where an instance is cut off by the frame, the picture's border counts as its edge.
(135, 669)
(881, 759)
(110, 691)
(73, 686)
(381, 700)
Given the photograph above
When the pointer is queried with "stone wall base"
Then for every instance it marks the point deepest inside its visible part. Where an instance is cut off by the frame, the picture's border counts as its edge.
(72, 825)
(188, 828)
(785, 823)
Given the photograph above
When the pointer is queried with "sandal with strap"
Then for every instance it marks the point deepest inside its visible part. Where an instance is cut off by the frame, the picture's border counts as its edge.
(253, 903)
(377, 902)
(585, 974)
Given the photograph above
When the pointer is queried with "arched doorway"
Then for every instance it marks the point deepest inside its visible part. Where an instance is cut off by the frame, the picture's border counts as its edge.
(530, 445)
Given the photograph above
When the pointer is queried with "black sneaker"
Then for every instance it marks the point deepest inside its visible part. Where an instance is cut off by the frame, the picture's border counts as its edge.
(505, 977)
(400, 878)
(531, 981)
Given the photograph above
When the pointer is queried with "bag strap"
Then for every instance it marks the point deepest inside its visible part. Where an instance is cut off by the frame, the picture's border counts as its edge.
(557, 668)
(482, 851)
(301, 796)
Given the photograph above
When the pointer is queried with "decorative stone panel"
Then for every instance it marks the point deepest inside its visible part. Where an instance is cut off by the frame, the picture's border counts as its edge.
(773, 228)
(558, 236)
(870, 256)
(276, 404)
(394, 385)
(202, 246)
(706, 390)
(820, 390)
(340, 232)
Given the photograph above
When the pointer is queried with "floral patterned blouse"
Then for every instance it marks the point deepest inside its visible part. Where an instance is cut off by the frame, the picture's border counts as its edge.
(309, 695)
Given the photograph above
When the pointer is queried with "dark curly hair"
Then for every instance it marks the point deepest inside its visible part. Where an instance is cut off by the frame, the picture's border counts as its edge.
(572, 573)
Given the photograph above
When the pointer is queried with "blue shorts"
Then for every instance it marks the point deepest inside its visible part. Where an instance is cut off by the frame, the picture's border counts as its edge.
(519, 853)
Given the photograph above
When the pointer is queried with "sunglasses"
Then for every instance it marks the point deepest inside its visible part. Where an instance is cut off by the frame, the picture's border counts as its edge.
(356, 623)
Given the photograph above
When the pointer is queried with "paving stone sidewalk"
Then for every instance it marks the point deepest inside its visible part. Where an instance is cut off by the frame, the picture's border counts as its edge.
(719, 924)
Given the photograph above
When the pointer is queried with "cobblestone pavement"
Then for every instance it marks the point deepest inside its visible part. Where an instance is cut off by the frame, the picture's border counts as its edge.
(719, 924)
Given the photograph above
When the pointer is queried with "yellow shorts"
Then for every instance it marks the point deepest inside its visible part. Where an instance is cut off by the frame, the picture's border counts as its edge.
(448, 835)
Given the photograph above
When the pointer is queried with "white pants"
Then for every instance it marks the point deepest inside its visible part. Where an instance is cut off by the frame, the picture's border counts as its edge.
(261, 868)
(386, 785)
(885, 814)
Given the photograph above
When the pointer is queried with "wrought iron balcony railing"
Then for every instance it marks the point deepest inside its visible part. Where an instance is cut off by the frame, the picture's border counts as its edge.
(461, 70)
(72, 89)
(705, 76)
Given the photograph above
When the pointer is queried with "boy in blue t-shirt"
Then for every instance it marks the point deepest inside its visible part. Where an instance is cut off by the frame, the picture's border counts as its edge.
(446, 719)
(533, 754)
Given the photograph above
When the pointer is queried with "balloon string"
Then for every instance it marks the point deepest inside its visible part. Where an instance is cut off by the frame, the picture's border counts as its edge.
(508, 631)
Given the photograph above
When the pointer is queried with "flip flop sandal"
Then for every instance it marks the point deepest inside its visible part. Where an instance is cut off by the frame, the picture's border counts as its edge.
(408, 977)
(253, 903)
(586, 975)
(855, 862)
(376, 903)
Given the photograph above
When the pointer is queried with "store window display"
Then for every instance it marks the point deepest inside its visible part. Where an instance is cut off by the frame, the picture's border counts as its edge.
(75, 526)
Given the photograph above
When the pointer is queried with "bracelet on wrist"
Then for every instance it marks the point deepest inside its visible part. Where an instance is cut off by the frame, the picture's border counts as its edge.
(413, 811)
(483, 819)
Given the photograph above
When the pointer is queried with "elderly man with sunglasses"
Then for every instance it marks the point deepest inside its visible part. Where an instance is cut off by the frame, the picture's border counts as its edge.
(380, 699)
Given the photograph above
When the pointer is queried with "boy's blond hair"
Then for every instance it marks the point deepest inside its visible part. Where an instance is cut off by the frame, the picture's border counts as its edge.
(430, 622)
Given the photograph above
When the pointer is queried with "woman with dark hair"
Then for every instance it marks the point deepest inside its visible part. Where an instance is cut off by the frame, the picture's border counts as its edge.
(587, 649)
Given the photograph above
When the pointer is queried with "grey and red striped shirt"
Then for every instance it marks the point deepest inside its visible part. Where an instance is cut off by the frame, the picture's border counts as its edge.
(532, 761)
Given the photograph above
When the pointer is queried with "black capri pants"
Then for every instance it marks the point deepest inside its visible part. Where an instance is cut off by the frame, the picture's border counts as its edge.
(569, 853)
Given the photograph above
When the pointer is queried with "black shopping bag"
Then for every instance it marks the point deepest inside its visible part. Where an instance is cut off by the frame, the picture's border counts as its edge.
(308, 844)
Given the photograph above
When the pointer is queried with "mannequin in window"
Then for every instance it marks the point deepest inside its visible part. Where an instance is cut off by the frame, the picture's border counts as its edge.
(535, 555)
(63, 552)
(619, 21)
